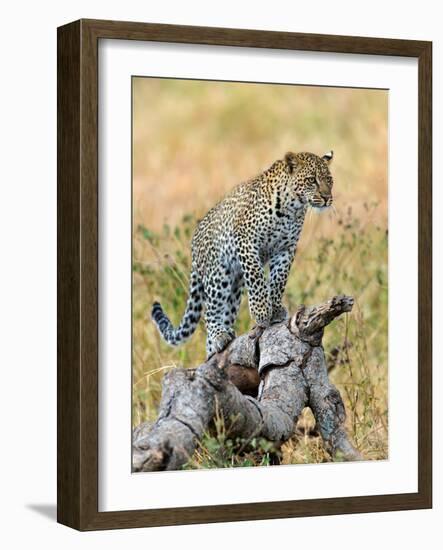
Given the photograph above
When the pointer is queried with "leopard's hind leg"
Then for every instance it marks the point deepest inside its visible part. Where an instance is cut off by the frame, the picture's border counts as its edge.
(222, 296)
(234, 299)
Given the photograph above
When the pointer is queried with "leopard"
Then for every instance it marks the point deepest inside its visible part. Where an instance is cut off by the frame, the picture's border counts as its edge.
(249, 240)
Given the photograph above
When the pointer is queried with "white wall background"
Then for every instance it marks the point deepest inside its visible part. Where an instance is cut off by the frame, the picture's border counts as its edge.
(28, 269)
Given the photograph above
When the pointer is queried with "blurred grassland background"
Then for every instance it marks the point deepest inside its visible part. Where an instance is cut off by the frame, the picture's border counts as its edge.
(193, 141)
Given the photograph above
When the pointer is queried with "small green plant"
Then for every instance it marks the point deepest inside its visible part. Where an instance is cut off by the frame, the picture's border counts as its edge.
(219, 450)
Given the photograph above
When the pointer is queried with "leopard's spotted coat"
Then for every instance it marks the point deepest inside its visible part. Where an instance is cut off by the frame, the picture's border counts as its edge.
(259, 222)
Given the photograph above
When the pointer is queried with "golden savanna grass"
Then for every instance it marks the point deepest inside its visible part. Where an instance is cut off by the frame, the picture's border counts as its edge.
(192, 142)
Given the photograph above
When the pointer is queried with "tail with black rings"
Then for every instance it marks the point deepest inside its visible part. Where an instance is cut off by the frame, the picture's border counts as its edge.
(191, 317)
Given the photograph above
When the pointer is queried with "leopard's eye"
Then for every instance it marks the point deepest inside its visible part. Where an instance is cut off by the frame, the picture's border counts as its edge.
(310, 179)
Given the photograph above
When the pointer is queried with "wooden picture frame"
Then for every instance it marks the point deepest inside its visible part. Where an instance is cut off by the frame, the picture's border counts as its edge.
(77, 480)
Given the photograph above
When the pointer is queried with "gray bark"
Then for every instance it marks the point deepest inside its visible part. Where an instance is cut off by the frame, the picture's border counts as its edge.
(287, 361)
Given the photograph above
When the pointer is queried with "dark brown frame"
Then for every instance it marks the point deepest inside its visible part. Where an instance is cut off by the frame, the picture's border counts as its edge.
(77, 457)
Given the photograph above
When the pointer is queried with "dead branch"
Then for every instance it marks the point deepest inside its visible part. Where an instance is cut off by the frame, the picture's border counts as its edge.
(287, 365)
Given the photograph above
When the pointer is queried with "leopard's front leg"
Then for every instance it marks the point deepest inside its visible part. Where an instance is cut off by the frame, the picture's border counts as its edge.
(279, 267)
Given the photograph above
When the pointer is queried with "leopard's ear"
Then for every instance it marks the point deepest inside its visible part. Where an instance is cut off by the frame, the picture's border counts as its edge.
(328, 156)
(291, 161)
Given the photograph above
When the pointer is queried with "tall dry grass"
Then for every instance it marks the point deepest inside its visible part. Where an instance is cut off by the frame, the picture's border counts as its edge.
(192, 142)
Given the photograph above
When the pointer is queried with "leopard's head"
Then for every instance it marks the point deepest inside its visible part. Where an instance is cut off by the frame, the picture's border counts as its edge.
(310, 178)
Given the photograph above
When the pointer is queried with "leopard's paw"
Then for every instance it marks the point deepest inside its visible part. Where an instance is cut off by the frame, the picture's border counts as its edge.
(220, 343)
(258, 330)
(279, 315)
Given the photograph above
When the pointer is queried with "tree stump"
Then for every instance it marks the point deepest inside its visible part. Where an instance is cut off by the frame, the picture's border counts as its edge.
(286, 364)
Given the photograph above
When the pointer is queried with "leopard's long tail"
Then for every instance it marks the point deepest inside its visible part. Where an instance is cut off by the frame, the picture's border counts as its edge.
(191, 317)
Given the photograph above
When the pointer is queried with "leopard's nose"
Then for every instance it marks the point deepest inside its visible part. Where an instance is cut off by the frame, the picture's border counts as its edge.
(327, 201)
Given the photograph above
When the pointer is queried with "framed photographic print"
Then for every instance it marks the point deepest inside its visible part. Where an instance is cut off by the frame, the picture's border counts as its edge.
(244, 274)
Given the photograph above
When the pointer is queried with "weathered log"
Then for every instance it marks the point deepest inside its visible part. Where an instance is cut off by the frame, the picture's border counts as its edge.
(288, 360)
